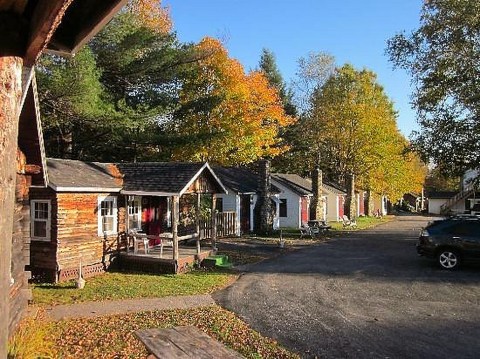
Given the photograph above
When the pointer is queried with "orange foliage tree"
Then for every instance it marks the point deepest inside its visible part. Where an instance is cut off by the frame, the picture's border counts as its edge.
(152, 15)
(228, 117)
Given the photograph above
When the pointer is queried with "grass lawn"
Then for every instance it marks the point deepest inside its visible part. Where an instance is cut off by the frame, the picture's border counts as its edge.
(362, 223)
(110, 286)
(112, 336)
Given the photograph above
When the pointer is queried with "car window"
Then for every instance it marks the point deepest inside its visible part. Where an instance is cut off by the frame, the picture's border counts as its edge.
(464, 228)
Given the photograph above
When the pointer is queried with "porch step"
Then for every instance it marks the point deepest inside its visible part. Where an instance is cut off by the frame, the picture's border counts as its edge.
(218, 260)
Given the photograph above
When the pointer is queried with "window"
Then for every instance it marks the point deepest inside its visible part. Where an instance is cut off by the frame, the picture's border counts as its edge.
(134, 212)
(107, 215)
(40, 220)
(219, 205)
(283, 207)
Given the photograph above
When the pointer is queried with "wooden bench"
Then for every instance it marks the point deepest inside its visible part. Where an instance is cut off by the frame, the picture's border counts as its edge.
(183, 343)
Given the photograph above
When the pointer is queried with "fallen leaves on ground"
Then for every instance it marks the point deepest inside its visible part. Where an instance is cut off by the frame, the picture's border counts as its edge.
(112, 336)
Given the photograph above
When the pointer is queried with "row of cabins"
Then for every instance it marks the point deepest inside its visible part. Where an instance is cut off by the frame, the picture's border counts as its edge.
(87, 214)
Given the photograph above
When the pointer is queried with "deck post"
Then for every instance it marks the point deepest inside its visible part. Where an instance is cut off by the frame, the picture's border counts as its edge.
(175, 210)
(214, 222)
(197, 223)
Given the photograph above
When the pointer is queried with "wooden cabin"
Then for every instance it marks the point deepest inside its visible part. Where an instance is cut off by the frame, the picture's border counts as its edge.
(296, 195)
(243, 187)
(90, 210)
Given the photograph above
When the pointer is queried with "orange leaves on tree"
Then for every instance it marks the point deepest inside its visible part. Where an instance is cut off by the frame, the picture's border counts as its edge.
(244, 122)
(152, 15)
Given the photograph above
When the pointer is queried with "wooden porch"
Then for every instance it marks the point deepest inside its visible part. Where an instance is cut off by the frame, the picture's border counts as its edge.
(158, 260)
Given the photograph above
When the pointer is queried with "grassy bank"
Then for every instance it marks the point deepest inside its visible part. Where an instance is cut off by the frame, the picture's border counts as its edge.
(111, 286)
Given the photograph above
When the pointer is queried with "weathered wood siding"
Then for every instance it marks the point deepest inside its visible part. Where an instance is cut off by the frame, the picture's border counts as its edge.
(74, 236)
(19, 291)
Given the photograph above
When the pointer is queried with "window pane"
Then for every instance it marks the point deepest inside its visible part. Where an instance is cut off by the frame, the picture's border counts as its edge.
(133, 222)
(41, 210)
(40, 229)
(283, 208)
(107, 224)
(106, 208)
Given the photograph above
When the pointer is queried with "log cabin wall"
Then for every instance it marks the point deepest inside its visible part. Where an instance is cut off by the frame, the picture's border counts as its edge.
(74, 237)
(20, 294)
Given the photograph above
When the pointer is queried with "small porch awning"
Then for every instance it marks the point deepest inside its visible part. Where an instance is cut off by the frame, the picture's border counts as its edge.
(169, 179)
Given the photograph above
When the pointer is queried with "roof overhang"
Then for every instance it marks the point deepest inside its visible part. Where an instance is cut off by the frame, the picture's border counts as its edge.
(199, 172)
(154, 194)
(83, 19)
(84, 189)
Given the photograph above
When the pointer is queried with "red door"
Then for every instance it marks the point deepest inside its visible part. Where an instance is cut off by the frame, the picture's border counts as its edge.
(245, 213)
(341, 203)
(304, 210)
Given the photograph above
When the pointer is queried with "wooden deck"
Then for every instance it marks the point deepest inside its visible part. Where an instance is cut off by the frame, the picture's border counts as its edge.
(183, 343)
(156, 262)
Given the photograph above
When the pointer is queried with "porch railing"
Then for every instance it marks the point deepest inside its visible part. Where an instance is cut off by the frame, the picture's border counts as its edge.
(226, 225)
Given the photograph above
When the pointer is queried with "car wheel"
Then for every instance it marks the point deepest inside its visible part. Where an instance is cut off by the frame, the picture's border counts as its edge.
(448, 259)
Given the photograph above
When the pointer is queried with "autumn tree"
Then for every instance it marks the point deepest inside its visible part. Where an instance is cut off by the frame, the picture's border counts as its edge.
(443, 59)
(351, 129)
(228, 117)
(152, 15)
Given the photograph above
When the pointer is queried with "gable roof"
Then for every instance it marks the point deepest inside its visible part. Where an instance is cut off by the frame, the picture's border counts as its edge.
(294, 182)
(241, 180)
(76, 176)
(303, 186)
(163, 178)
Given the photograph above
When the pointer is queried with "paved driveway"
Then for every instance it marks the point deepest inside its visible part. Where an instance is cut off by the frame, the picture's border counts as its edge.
(364, 295)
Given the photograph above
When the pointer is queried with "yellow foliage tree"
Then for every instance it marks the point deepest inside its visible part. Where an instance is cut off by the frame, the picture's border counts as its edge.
(353, 131)
(229, 117)
(152, 15)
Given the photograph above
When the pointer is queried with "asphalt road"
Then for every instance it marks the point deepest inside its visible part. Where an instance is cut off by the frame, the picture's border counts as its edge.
(363, 295)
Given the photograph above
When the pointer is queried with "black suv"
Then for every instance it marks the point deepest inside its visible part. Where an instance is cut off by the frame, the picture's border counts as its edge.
(451, 241)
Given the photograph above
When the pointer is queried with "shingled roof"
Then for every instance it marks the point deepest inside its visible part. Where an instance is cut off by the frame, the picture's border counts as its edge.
(302, 186)
(241, 180)
(162, 178)
(73, 175)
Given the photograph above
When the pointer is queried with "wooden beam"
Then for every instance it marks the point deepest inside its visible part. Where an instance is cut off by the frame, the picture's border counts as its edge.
(175, 213)
(89, 32)
(197, 223)
(46, 18)
(214, 222)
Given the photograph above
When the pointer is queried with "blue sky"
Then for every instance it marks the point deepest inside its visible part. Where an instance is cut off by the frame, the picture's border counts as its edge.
(353, 31)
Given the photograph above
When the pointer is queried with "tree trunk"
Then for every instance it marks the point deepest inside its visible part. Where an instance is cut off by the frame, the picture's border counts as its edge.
(10, 96)
(266, 218)
(317, 201)
(351, 203)
(370, 204)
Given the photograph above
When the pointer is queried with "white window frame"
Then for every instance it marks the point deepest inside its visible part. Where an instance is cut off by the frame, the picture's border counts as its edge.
(114, 215)
(138, 200)
(47, 238)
